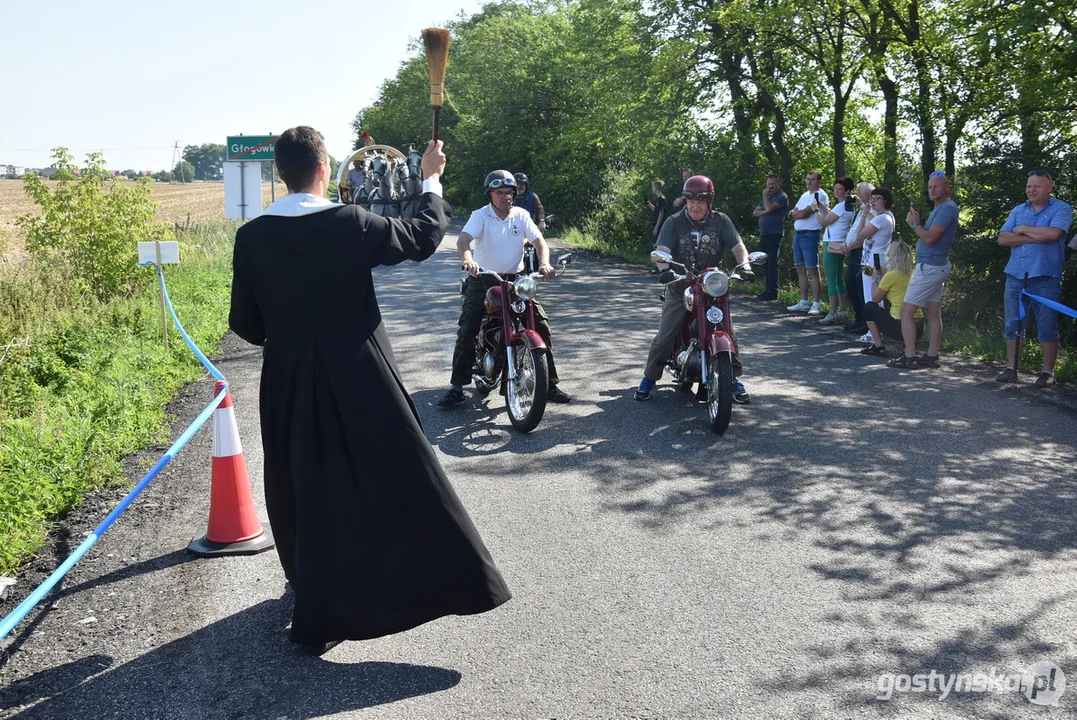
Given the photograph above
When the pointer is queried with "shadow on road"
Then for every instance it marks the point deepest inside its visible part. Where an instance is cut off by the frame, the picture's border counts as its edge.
(271, 678)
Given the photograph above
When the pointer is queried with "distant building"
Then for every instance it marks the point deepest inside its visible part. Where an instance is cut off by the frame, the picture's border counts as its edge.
(12, 170)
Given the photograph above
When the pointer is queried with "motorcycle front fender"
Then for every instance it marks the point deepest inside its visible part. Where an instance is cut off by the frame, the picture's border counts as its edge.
(533, 339)
(719, 342)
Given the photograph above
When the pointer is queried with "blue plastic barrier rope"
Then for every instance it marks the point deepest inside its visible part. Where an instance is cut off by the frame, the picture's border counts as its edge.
(1022, 313)
(19, 613)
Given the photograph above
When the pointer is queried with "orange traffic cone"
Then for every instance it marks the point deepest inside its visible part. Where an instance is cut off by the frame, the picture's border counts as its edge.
(234, 528)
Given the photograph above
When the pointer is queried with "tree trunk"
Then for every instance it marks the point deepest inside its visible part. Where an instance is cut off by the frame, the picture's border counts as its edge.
(890, 120)
(838, 130)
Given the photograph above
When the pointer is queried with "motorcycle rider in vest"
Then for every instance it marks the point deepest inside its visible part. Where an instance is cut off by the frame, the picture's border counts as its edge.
(530, 202)
(696, 237)
(498, 231)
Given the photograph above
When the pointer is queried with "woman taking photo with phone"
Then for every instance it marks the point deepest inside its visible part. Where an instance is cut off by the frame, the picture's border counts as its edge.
(890, 287)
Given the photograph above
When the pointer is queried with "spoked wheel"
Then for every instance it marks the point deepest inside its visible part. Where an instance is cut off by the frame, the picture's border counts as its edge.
(525, 397)
(719, 391)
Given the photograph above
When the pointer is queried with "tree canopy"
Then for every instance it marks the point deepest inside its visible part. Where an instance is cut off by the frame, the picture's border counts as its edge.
(594, 99)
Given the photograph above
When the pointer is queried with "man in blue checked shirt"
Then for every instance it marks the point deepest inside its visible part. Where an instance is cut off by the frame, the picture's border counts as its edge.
(1035, 232)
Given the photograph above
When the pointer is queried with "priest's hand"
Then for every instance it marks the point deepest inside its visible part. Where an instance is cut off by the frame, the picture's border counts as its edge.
(433, 160)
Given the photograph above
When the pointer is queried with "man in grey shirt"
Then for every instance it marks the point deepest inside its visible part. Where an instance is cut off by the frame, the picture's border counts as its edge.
(771, 214)
(935, 236)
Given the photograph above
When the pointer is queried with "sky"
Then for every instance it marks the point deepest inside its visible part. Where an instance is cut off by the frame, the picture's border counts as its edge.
(132, 78)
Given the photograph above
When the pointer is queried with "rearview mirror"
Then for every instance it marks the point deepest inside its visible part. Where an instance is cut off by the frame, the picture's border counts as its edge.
(661, 256)
(757, 258)
(565, 259)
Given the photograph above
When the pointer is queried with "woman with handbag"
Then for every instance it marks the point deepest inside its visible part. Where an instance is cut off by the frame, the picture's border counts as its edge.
(836, 224)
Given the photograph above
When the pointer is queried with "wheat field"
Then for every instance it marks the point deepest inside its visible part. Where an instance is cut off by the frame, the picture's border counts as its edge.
(178, 203)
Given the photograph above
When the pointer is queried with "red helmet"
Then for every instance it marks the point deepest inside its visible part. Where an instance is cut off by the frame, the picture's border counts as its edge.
(698, 187)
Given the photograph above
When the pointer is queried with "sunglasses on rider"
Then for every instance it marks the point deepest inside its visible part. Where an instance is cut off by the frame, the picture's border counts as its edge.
(498, 182)
(697, 196)
(937, 173)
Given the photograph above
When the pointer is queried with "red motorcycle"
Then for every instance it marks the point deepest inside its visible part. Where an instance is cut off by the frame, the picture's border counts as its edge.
(509, 352)
(704, 350)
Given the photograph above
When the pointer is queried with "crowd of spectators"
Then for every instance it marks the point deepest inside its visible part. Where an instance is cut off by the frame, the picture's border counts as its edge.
(896, 292)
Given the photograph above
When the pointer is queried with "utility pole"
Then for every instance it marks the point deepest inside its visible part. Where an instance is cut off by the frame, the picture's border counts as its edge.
(176, 159)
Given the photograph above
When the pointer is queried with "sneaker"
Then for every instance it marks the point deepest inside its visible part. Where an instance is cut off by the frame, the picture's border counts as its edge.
(644, 390)
(865, 338)
(452, 398)
(815, 309)
(558, 395)
(828, 319)
(799, 307)
(1045, 380)
(740, 395)
(1007, 375)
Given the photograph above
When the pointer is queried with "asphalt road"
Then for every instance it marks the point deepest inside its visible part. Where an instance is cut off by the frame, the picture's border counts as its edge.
(854, 522)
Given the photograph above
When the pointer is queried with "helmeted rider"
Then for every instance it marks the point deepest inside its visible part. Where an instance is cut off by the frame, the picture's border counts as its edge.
(697, 236)
(498, 231)
(529, 201)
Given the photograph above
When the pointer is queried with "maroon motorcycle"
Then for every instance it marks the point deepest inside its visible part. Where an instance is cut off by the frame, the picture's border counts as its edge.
(704, 350)
(509, 352)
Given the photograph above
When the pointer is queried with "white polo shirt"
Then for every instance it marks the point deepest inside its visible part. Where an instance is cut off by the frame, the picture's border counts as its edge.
(499, 244)
(810, 223)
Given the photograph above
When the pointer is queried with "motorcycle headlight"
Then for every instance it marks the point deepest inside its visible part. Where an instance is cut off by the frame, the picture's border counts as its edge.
(689, 299)
(716, 283)
(518, 306)
(526, 287)
(714, 315)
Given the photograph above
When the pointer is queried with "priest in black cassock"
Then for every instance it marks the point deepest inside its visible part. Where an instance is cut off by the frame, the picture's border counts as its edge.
(372, 537)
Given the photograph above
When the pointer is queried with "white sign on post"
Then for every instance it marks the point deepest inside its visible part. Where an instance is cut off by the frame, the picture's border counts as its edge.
(147, 252)
(242, 190)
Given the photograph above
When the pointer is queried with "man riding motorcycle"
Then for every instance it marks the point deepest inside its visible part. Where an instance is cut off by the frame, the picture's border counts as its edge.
(498, 231)
(530, 202)
(697, 237)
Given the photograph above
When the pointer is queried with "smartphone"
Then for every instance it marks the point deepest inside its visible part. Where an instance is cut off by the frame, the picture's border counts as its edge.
(877, 263)
(850, 203)
(816, 197)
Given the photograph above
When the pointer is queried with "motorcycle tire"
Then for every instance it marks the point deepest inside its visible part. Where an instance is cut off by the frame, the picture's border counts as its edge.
(719, 392)
(525, 398)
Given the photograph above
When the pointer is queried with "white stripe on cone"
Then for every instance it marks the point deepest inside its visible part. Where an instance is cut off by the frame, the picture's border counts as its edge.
(225, 433)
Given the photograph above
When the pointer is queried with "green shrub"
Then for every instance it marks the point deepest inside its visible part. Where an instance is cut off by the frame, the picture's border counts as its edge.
(84, 382)
(90, 225)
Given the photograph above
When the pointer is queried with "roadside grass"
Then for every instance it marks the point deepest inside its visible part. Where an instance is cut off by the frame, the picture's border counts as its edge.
(974, 341)
(84, 384)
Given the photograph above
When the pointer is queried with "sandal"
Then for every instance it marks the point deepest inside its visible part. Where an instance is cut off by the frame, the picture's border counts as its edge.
(874, 350)
(926, 361)
(904, 361)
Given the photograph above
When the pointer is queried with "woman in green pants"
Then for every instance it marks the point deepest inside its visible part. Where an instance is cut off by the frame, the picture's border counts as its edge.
(835, 222)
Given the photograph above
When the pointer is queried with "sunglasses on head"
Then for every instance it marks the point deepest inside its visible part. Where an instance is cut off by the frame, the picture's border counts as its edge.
(697, 196)
(498, 182)
(937, 173)
(1039, 173)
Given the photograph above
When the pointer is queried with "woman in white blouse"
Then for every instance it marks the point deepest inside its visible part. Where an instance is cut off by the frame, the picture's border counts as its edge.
(876, 234)
(836, 224)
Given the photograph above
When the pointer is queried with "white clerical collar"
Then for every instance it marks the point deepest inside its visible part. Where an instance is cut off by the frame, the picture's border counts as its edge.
(297, 205)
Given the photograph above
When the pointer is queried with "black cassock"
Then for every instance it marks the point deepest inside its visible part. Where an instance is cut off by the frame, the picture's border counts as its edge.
(372, 537)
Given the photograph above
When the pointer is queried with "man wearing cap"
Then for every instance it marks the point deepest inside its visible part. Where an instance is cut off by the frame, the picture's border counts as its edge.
(1035, 232)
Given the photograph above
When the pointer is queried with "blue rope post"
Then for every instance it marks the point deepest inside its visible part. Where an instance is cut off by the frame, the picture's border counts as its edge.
(19, 613)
